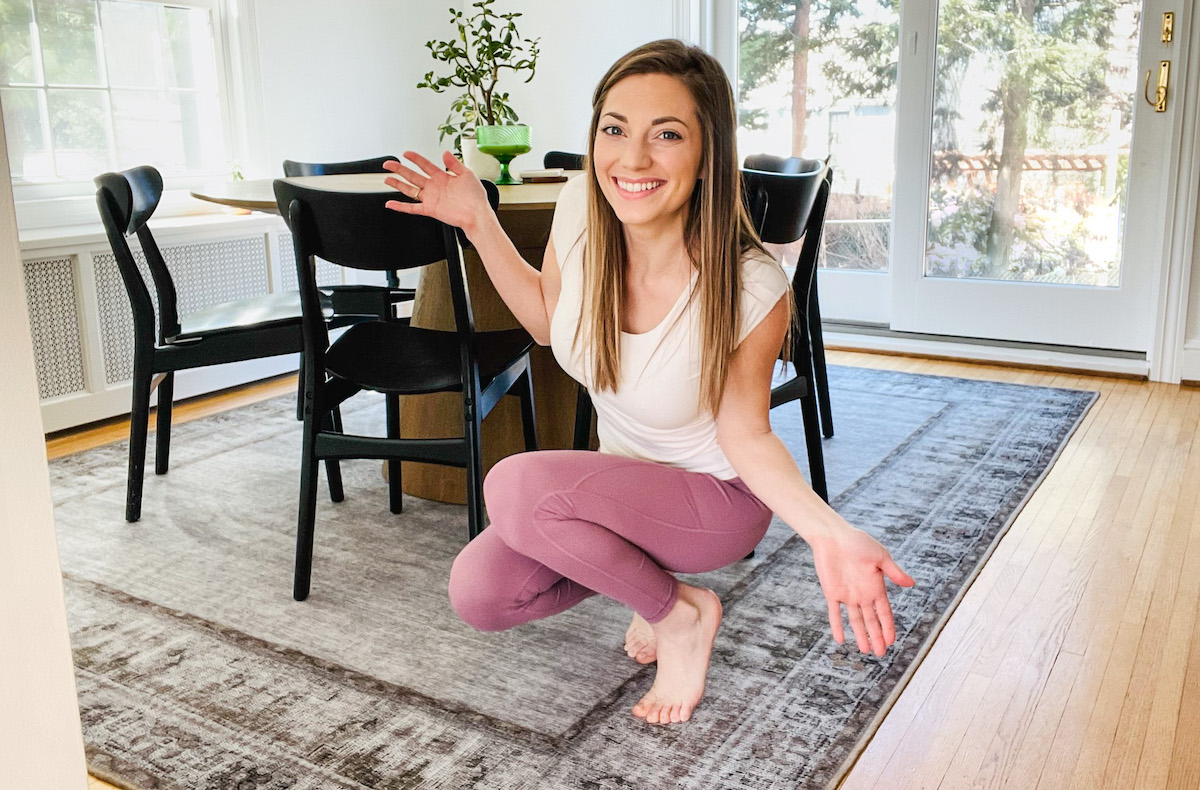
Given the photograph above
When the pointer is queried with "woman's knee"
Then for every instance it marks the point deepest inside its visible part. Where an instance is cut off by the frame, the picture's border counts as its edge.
(509, 485)
(474, 596)
(516, 490)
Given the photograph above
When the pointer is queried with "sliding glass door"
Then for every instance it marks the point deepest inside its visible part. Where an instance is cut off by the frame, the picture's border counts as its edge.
(999, 169)
(818, 80)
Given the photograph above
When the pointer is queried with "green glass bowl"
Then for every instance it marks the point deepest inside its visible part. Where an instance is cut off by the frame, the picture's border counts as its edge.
(505, 143)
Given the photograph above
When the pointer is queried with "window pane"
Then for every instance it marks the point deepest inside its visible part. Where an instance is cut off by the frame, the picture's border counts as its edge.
(69, 49)
(147, 129)
(1032, 125)
(79, 132)
(27, 153)
(190, 60)
(17, 59)
(180, 133)
(203, 138)
(818, 80)
(129, 47)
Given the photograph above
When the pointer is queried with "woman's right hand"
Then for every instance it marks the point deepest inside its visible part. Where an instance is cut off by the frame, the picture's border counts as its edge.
(453, 196)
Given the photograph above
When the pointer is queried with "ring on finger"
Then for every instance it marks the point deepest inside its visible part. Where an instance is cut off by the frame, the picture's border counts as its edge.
(417, 194)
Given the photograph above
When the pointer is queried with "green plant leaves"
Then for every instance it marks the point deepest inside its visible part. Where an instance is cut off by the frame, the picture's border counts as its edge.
(487, 43)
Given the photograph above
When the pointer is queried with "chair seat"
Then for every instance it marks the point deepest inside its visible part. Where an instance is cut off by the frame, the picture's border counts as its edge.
(253, 312)
(393, 357)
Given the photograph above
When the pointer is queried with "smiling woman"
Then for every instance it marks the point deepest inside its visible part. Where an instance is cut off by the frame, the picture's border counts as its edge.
(656, 295)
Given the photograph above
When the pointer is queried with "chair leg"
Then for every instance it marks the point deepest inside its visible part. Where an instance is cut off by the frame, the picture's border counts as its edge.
(333, 467)
(471, 436)
(528, 417)
(818, 355)
(812, 438)
(307, 517)
(162, 432)
(583, 420)
(395, 495)
(300, 391)
(139, 419)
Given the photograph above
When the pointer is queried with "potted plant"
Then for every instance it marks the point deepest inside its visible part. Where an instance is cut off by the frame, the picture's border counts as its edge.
(487, 44)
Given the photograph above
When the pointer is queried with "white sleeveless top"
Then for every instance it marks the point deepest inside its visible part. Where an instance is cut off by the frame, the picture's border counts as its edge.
(655, 412)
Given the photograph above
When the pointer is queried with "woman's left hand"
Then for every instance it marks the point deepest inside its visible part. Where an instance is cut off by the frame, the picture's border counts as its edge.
(851, 566)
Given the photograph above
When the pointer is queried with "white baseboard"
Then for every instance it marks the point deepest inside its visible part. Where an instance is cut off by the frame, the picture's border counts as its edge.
(972, 352)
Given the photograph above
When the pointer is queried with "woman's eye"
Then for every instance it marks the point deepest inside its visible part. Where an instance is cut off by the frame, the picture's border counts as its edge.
(670, 135)
(610, 130)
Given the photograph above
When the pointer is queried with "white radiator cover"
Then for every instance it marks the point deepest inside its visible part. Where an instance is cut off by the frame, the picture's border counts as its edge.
(82, 322)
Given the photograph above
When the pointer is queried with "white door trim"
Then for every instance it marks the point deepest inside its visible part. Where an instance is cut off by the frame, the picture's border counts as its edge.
(1172, 285)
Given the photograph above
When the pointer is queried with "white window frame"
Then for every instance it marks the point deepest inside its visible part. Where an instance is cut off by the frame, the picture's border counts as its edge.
(71, 202)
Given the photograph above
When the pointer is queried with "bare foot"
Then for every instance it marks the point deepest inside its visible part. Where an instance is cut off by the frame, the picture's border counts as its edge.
(640, 644)
(684, 639)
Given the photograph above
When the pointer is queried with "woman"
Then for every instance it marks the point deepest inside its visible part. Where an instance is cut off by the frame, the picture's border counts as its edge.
(655, 294)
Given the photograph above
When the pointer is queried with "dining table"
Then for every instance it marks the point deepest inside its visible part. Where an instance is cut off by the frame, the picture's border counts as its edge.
(525, 213)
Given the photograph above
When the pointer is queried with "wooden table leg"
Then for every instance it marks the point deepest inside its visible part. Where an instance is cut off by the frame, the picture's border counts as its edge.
(440, 414)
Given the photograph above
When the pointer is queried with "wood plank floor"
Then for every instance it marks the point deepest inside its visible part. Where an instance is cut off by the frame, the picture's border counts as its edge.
(1074, 659)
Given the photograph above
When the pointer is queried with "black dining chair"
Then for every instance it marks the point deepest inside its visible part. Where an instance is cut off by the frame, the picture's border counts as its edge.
(293, 168)
(794, 165)
(164, 341)
(564, 160)
(355, 230)
(356, 299)
(783, 207)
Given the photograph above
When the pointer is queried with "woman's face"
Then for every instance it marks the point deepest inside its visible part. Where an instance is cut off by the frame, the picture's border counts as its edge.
(648, 150)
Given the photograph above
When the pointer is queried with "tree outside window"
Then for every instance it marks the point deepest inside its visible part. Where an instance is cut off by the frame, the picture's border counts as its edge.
(1031, 127)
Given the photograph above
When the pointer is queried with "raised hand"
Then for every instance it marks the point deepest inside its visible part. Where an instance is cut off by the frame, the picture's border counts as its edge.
(851, 567)
(452, 195)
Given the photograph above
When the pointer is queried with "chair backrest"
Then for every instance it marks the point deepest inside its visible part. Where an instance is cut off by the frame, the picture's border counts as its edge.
(356, 230)
(126, 201)
(784, 207)
(780, 203)
(769, 163)
(291, 169)
(564, 160)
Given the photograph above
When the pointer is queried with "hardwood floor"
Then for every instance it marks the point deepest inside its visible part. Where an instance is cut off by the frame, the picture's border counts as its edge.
(1073, 661)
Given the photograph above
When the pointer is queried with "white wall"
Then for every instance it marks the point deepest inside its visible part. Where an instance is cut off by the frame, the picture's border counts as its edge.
(40, 740)
(339, 80)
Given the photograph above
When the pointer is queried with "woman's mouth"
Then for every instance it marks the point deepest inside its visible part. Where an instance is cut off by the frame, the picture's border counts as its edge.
(637, 189)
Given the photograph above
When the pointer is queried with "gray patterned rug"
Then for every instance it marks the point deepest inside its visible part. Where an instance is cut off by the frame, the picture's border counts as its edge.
(195, 668)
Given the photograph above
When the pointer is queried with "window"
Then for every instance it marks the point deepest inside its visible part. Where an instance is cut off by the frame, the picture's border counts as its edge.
(94, 85)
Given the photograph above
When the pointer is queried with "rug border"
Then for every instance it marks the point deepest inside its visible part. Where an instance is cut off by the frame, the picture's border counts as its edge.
(889, 702)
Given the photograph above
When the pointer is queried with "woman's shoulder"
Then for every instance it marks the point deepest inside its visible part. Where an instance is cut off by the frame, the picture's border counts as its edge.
(764, 283)
(570, 216)
(572, 198)
(761, 272)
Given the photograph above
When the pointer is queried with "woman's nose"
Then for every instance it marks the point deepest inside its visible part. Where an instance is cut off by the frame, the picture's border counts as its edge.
(636, 155)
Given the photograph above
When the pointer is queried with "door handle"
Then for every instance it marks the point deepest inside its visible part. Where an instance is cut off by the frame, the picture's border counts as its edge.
(1159, 100)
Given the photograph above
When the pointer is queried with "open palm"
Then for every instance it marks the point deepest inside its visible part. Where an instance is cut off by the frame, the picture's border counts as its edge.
(851, 568)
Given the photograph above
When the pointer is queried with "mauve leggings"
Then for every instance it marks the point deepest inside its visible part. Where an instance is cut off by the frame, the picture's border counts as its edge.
(568, 524)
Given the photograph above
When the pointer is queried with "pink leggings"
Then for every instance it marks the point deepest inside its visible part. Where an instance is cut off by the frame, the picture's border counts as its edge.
(568, 524)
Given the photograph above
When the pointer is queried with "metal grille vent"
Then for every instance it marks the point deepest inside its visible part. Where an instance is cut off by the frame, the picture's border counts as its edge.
(54, 322)
(204, 274)
(327, 273)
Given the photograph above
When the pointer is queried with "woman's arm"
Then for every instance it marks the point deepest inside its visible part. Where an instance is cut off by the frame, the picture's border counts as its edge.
(851, 565)
(457, 198)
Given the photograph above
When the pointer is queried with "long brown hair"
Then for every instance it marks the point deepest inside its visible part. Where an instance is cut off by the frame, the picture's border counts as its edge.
(717, 233)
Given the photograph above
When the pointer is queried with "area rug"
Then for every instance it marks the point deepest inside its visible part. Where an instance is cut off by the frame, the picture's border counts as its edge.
(196, 669)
